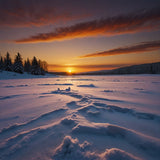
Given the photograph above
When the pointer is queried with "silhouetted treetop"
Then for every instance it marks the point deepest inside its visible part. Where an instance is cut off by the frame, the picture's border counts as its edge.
(36, 67)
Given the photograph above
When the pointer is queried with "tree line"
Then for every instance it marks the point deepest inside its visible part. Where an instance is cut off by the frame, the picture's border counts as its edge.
(34, 66)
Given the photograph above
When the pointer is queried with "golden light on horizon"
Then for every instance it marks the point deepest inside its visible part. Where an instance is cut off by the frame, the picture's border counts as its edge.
(70, 70)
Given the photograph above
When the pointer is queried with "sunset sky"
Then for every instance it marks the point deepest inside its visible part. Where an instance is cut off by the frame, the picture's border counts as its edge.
(81, 35)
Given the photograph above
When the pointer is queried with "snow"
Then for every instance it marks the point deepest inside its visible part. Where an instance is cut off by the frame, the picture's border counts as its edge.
(89, 85)
(71, 149)
(80, 117)
(13, 75)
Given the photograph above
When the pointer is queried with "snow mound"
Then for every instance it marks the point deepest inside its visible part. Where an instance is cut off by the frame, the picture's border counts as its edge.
(139, 115)
(108, 90)
(73, 104)
(65, 84)
(15, 143)
(81, 79)
(11, 96)
(102, 106)
(56, 84)
(117, 154)
(145, 143)
(70, 149)
(89, 85)
(23, 85)
(93, 113)
(91, 108)
(35, 121)
(67, 92)
(68, 121)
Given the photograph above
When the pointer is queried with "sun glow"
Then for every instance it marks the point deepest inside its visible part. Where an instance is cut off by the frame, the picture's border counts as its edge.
(70, 71)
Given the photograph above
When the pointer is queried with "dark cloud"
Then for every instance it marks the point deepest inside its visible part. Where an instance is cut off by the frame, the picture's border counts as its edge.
(147, 20)
(137, 48)
(24, 13)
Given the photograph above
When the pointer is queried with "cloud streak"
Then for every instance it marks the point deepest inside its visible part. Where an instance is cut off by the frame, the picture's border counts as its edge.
(137, 48)
(87, 66)
(83, 68)
(148, 20)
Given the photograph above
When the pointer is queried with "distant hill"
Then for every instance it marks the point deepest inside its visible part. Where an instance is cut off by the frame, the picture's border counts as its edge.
(149, 68)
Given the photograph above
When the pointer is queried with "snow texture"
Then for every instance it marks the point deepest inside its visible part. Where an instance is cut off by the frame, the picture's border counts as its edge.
(70, 149)
(80, 117)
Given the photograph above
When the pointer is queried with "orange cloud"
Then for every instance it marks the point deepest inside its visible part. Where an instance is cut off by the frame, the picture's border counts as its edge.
(122, 24)
(137, 48)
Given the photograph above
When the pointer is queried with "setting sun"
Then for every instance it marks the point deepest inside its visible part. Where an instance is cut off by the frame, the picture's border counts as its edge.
(70, 71)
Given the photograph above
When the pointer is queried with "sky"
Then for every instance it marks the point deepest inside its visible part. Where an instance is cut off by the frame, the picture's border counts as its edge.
(80, 36)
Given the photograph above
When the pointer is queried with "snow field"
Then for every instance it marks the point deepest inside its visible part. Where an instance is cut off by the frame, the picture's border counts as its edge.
(83, 118)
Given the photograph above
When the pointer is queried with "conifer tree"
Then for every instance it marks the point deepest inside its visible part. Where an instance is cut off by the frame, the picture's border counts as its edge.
(35, 69)
(8, 63)
(27, 66)
(44, 66)
(1, 63)
(18, 64)
(41, 65)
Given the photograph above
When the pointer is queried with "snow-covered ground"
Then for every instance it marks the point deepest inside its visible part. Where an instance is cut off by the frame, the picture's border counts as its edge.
(80, 118)
(25, 75)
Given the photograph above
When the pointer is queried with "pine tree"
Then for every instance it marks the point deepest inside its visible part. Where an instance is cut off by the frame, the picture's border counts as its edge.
(8, 63)
(44, 66)
(35, 69)
(27, 66)
(18, 64)
(1, 63)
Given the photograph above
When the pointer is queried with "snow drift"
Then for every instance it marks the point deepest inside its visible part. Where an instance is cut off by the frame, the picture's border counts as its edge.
(71, 149)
